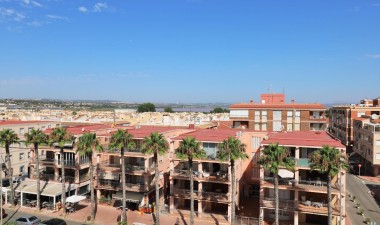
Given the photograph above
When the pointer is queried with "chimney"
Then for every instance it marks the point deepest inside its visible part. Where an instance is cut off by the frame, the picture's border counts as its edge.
(251, 101)
(292, 101)
(191, 126)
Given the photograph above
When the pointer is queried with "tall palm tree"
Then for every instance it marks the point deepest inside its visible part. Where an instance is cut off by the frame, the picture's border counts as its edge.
(232, 149)
(122, 140)
(190, 149)
(36, 137)
(59, 136)
(331, 161)
(86, 146)
(273, 158)
(156, 144)
(7, 138)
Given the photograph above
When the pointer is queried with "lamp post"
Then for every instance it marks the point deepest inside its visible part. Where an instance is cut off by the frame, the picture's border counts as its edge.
(340, 198)
(360, 166)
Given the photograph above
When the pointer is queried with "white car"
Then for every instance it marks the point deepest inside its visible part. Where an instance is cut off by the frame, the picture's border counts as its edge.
(28, 220)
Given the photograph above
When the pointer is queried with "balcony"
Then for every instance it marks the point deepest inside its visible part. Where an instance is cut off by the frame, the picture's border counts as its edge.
(316, 207)
(184, 193)
(201, 175)
(108, 184)
(307, 185)
(215, 196)
(303, 162)
(128, 167)
(285, 204)
(135, 187)
(84, 177)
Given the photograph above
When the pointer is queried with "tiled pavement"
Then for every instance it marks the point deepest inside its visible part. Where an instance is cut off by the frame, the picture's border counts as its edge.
(107, 215)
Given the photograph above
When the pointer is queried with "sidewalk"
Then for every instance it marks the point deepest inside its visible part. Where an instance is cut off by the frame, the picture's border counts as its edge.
(107, 215)
(370, 179)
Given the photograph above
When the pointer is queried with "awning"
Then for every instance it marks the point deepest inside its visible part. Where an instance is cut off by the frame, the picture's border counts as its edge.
(130, 196)
(284, 173)
(109, 176)
(75, 198)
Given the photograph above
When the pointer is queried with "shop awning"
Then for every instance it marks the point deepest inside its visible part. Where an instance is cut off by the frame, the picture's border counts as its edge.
(75, 198)
(134, 197)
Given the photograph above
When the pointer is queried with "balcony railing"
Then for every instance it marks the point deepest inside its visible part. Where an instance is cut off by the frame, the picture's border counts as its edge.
(69, 179)
(84, 177)
(111, 184)
(222, 176)
(303, 162)
(311, 184)
(128, 166)
(215, 196)
(283, 203)
(184, 192)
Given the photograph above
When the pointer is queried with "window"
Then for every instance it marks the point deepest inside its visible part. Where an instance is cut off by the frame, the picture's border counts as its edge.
(264, 115)
(22, 169)
(210, 149)
(238, 113)
(257, 126)
(377, 142)
(289, 127)
(256, 142)
(360, 114)
(264, 127)
(377, 156)
(30, 129)
(21, 156)
(22, 132)
(297, 127)
(257, 116)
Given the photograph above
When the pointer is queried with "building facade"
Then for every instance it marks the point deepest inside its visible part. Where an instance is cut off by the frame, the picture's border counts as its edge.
(273, 114)
(302, 193)
(366, 132)
(20, 153)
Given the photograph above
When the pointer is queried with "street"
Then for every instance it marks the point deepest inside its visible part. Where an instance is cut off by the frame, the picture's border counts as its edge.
(12, 215)
(356, 187)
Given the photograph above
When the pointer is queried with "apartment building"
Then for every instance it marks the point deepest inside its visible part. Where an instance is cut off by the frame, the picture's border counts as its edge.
(212, 177)
(140, 168)
(272, 113)
(366, 138)
(302, 193)
(20, 153)
(341, 119)
(76, 167)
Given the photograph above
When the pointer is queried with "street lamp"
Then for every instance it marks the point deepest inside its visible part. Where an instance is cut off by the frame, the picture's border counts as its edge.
(360, 166)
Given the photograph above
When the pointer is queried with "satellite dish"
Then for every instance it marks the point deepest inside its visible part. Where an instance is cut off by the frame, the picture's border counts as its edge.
(375, 116)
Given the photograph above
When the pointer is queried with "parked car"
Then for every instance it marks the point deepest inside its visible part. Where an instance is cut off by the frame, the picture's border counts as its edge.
(54, 221)
(28, 220)
(6, 183)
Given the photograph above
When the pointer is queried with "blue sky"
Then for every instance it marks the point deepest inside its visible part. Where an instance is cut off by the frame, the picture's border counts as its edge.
(190, 50)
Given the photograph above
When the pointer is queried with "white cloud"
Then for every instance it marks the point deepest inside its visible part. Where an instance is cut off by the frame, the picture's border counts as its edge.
(31, 3)
(56, 17)
(82, 9)
(376, 4)
(99, 7)
(373, 56)
(10, 14)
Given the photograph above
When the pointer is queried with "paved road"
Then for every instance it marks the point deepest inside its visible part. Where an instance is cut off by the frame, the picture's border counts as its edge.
(357, 188)
(14, 214)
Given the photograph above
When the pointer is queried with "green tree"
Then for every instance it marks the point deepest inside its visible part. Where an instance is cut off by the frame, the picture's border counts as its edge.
(168, 110)
(331, 161)
(59, 137)
(86, 146)
(232, 149)
(156, 144)
(122, 140)
(36, 138)
(273, 158)
(219, 110)
(190, 149)
(146, 107)
(7, 138)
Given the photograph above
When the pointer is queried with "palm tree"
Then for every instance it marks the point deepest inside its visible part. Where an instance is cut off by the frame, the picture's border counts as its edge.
(36, 137)
(232, 149)
(60, 137)
(122, 140)
(273, 158)
(86, 146)
(191, 149)
(331, 161)
(7, 138)
(156, 144)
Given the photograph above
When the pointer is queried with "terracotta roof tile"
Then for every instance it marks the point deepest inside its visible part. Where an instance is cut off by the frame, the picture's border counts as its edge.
(303, 139)
(277, 106)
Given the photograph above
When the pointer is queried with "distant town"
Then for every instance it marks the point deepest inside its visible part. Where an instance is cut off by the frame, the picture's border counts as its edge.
(265, 161)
